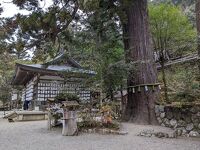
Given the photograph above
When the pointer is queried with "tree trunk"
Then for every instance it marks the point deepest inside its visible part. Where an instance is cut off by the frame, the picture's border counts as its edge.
(111, 93)
(198, 29)
(162, 63)
(164, 83)
(140, 105)
(4, 111)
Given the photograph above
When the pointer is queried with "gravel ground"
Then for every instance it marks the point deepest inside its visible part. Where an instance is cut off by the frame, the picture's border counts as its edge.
(35, 136)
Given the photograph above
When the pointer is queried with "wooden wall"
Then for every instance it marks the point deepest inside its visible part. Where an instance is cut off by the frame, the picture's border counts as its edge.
(27, 92)
(50, 86)
(40, 88)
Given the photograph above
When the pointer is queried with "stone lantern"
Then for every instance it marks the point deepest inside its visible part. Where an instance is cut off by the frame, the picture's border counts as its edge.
(69, 118)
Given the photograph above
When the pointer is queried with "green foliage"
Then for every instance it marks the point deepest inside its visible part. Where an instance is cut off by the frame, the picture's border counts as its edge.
(114, 77)
(6, 69)
(88, 121)
(187, 6)
(94, 124)
(42, 30)
(172, 34)
(183, 84)
(67, 96)
(171, 30)
(90, 5)
(4, 95)
(89, 124)
(190, 86)
(93, 37)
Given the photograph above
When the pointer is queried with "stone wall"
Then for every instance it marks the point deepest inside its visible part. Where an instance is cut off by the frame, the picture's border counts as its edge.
(185, 119)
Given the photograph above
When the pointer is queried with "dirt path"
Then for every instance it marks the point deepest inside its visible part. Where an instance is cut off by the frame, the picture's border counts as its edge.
(35, 136)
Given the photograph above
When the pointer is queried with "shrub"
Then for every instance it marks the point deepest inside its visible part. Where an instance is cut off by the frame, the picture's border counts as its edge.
(67, 97)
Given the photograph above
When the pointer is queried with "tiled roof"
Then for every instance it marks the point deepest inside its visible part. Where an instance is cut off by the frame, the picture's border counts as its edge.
(60, 68)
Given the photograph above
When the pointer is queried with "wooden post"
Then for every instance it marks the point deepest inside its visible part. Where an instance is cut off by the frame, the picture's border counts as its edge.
(69, 123)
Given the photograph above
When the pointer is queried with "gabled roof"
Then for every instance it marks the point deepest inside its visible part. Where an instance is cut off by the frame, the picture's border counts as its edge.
(53, 68)
(61, 65)
(64, 59)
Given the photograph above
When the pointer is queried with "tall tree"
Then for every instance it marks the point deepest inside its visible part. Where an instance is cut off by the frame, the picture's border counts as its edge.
(43, 30)
(198, 28)
(51, 25)
(139, 53)
(169, 39)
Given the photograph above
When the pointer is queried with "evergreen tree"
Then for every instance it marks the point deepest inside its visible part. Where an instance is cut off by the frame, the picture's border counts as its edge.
(198, 27)
(53, 25)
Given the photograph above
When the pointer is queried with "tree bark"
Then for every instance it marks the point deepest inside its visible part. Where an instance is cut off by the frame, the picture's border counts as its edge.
(111, 93)
(198, 29)
(137, 44)
(162, 63)
(4, 111)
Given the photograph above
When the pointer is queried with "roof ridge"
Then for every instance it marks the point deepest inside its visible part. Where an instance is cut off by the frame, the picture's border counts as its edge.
(63, 58)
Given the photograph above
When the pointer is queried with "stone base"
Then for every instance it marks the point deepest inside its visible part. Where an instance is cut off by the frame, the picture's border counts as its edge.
(26, 116)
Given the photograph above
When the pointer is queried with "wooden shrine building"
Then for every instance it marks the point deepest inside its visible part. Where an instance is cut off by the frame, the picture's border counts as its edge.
(43, 81)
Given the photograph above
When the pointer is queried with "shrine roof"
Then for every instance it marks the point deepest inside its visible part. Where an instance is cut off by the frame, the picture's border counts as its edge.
(61, 65)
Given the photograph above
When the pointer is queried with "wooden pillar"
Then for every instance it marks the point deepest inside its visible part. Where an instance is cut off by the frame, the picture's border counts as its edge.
(69, 123)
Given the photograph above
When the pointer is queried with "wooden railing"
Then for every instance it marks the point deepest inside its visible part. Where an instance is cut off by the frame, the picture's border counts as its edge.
(185, 59)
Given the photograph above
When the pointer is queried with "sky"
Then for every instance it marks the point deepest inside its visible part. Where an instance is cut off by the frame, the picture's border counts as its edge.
(10, 9)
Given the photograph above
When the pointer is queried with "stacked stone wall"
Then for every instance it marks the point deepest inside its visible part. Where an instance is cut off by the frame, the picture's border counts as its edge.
(185, 119)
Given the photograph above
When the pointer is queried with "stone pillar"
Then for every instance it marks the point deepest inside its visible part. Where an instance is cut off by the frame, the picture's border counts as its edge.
(69, 123)
(49, 126)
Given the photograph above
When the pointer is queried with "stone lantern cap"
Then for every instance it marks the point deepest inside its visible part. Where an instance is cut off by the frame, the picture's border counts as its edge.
(51, 100)
(70, 104)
